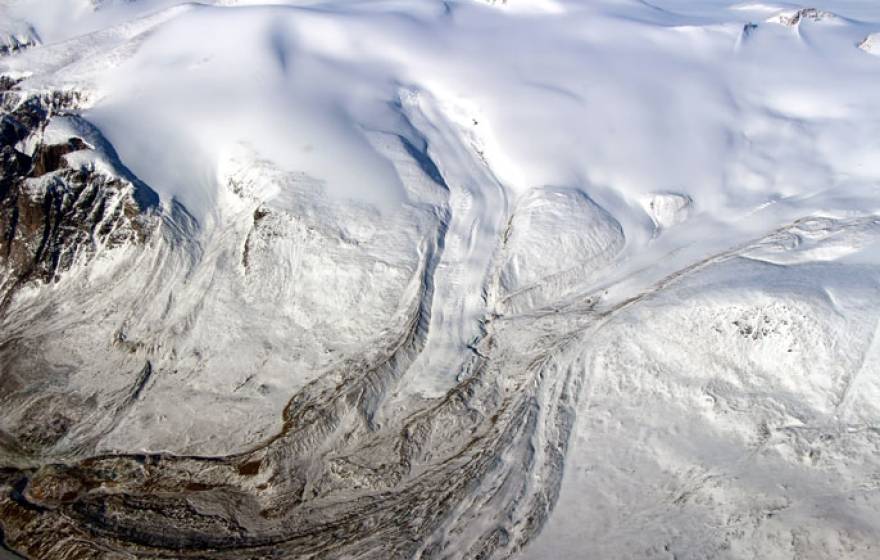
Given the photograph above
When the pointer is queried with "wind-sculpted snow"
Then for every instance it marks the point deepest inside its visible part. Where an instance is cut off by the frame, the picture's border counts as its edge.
(586, 239)
(536, 278)
(731, 414)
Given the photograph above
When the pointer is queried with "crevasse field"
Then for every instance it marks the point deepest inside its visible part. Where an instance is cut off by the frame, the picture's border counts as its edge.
(392, 279)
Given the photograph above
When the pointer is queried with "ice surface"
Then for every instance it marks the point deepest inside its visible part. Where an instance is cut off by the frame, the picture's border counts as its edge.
(300, 85)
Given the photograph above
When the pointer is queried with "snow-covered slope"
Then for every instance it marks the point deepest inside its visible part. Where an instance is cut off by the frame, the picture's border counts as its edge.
(379, 279)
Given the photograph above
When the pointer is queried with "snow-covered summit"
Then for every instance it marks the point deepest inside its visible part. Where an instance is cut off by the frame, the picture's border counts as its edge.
(871, 44)
(793, 18)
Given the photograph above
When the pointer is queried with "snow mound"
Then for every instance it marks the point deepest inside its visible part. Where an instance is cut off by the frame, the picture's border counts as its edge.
(871, 44)
(557, 238)
(667, 209)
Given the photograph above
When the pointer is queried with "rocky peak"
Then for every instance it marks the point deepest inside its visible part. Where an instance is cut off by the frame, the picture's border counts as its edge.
(53, 213)
(794, 18)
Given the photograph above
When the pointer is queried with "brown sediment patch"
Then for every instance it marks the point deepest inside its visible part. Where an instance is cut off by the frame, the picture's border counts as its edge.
(250, 468)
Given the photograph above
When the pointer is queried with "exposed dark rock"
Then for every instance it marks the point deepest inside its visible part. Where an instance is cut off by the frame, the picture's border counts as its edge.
(52, 214)
(47, 159)
(12, 44)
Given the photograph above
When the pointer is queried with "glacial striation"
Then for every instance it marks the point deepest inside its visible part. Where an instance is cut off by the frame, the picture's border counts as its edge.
(473, 280)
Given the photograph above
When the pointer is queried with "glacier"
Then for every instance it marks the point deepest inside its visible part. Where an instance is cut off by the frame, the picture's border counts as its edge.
(439, 279)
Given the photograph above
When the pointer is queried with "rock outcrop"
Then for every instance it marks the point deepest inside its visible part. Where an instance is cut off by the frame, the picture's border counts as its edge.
(52, 213)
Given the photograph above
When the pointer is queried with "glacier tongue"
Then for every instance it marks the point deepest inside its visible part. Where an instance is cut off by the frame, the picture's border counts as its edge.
(537, 278)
